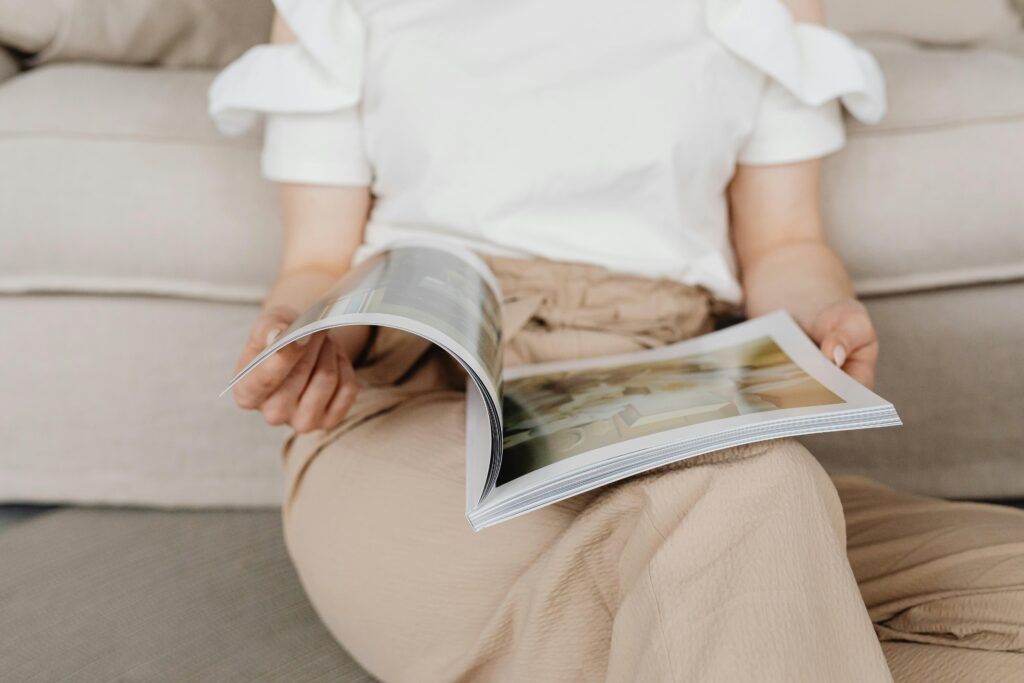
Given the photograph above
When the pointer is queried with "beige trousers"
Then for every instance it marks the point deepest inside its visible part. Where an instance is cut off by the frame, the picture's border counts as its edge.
(735, 566)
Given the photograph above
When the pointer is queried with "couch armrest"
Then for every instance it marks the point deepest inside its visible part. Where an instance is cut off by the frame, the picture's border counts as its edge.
(8, 65)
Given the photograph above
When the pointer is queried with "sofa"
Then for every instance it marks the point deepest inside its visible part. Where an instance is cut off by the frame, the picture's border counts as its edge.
(136, 243)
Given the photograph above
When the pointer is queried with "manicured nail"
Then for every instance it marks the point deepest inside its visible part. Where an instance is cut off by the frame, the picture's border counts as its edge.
(839, 355)
(304, 340)
(272, 336)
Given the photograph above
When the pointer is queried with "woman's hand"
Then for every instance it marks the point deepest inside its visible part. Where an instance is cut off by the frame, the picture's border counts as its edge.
(846, 336)
(786, 263)
(309, 384)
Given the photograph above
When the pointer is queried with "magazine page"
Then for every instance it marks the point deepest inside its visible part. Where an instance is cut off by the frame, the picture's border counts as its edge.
(760, 379)
(444, 294)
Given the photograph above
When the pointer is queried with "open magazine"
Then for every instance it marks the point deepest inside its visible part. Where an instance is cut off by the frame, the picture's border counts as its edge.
(539, 434)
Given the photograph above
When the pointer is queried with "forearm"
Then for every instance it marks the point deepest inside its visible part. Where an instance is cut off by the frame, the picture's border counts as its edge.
(323, 227)
(802, 276)
(786, 263)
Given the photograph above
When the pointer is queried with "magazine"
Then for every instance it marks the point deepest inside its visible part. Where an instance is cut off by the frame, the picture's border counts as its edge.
(539, 434)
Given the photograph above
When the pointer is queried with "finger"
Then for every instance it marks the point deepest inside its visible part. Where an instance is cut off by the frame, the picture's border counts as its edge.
(309, 413)
(279, 406)
(266, 329)
(345, 395)
(861, 365)
(252, 390)
(846, 337)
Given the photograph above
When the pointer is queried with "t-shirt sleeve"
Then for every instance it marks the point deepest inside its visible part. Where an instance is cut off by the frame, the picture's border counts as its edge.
(811, 73)
(309, 92)
(787, 130)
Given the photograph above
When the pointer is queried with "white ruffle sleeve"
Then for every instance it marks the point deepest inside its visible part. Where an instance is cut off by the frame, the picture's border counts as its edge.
(309, 91)
(810, 70)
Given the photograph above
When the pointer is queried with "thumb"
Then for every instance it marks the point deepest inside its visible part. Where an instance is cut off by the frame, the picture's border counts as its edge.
(836, 348)
(268, 327)
(845, 336)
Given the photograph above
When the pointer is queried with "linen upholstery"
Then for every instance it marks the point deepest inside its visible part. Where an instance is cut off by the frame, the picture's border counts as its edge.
(181, 33)
(151, 198)
(945, 22)
(929, 197)
(115, 400)
(950, 362)
(98, 595)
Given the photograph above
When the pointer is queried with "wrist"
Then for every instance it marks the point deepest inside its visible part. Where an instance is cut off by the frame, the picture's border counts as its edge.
(297, 289)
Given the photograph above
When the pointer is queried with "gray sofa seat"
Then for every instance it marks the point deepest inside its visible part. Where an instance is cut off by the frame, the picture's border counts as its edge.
(99, 595)
(103, 596)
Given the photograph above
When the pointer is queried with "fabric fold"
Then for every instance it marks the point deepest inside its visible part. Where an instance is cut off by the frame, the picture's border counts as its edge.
(320, 73)
(815, 64)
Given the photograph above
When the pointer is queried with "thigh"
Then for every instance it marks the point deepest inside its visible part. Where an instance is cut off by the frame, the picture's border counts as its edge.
(934, 571)
(375, 523)
(926, 663)
(747, 578)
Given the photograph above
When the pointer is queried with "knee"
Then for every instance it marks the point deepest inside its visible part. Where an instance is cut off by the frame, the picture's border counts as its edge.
(775, 486)
(787, 468)
(785, 479)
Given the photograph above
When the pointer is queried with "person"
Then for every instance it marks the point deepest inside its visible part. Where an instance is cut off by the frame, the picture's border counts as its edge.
(629, 171)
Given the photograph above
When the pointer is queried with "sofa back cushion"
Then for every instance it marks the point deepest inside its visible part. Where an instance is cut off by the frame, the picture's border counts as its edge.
(179, 33)
(949, 22)
(211, 33)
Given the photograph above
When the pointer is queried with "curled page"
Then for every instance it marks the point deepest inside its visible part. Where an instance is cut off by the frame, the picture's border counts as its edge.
(445, 295)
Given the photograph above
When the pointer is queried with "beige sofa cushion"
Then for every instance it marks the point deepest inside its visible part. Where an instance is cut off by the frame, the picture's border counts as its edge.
(165, 32)
(929, 21)
(928, 198)
(115, 180)
(931, 197)
(114, 400)
(951, 364)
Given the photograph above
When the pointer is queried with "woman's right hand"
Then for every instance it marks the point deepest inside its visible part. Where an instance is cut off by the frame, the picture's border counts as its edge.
(309, 384)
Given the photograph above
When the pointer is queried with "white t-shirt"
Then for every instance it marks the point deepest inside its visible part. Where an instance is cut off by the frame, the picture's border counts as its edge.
(596, 131)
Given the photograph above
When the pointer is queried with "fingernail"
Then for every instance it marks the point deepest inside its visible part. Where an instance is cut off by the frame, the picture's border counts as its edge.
(839, 355)
(272, 336)
(304, 340)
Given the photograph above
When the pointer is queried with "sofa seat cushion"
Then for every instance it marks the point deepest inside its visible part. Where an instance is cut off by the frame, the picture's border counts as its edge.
(931, 196)
(114, 180)
(114, 400)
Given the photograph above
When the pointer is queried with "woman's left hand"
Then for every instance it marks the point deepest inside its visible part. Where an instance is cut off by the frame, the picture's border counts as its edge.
(846, 336)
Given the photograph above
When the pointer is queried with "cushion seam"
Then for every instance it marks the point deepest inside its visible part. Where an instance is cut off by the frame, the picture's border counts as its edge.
(114, 285)
(938, 280)
(936, 126)
(129, 139)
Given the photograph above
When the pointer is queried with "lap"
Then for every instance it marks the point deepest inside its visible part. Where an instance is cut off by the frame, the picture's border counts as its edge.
(375, 522)
(376, 526)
